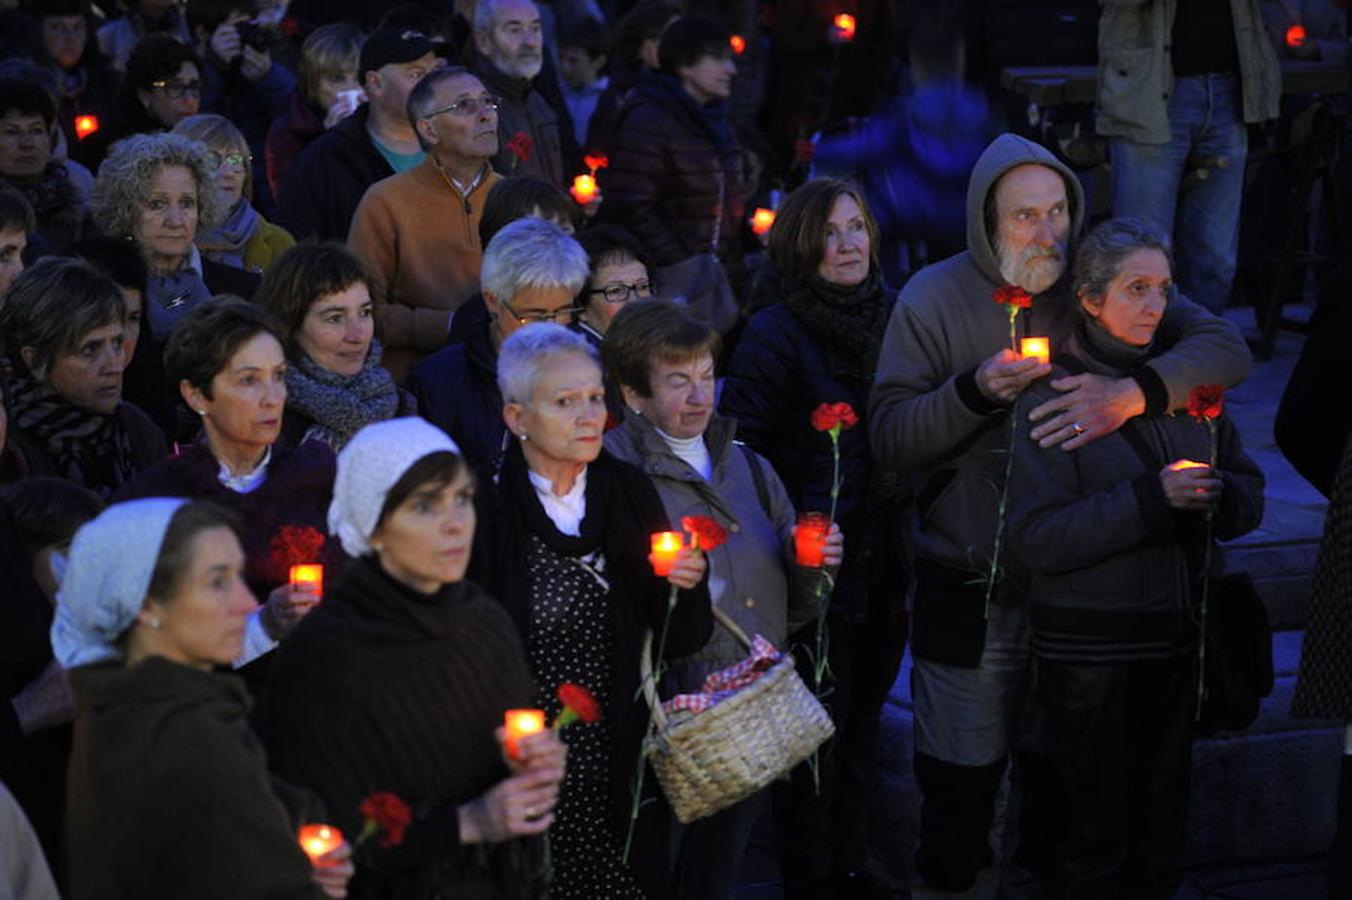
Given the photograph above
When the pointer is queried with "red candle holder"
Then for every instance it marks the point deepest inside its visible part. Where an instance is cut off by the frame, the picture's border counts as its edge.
(762, 219)
(1295, 36)
(311, 574)
(85, 126)
(843, 27)
(520, 723)
(666, 546)
(583, 189)
(1039, 348)
(809, 539)
(738, 44)
(317, 840)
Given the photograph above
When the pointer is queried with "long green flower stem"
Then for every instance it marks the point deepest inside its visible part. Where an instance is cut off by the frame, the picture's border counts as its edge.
(1202, 686)
(993, 573)
(636, 800)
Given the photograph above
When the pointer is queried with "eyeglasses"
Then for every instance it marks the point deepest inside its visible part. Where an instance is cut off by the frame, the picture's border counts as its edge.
(175, 90)
(467, 106)
(563, 316)
(618, 292)
(236, 160)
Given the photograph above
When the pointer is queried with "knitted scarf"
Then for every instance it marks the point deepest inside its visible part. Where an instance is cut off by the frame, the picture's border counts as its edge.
(55, 201)
(341, 405)
(849, 321)
(226, 242)
(90, 449)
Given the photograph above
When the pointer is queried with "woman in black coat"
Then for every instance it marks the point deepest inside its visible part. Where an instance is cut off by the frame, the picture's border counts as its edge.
(399, 682)
(169, 792)
(820, 344)
(674, 177)
(569, 548)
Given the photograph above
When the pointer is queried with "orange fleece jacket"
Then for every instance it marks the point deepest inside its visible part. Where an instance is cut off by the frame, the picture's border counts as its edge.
(419, 238)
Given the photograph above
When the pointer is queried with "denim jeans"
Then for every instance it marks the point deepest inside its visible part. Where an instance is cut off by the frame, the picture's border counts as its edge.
(1206, 119)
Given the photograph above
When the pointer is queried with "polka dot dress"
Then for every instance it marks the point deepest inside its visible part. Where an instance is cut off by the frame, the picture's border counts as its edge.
(570, 641)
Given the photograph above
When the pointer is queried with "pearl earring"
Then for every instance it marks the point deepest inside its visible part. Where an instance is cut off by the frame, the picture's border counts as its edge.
(155, 623)
(524, 437)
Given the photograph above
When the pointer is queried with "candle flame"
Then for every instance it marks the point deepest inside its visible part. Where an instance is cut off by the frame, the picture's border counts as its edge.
(1038, 348)
(1295, 35)
(85, 126)
(762, 219)
(583, 189)
(738, 44)
(844, 26)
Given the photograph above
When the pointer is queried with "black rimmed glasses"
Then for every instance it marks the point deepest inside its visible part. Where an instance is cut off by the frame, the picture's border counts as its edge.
(618, 291)
(176, 90)
(468, 106)
(563, 316)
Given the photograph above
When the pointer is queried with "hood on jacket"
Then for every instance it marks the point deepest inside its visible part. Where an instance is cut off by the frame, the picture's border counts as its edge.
(1001, 155)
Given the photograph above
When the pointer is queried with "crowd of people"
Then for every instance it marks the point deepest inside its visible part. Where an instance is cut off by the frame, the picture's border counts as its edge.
(464, 305)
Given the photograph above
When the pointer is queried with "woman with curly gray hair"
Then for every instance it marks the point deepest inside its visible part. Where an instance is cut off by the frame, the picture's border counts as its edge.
(157, 190)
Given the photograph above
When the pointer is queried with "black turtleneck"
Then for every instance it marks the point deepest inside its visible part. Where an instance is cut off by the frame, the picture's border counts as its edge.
(1204, 39)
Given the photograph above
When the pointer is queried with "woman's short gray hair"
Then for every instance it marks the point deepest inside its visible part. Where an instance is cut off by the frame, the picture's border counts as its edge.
(1102, 251)
(525, 352)
(124, 181)
(532, 253)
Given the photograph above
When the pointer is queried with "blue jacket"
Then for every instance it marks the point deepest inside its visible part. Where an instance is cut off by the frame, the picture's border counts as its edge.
(457, 391)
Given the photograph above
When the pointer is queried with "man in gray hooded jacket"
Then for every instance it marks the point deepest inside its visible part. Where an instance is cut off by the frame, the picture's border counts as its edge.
(946, 381)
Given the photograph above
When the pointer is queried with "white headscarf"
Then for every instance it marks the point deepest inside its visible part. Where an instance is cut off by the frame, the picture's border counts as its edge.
(368, 466)
(107, 576)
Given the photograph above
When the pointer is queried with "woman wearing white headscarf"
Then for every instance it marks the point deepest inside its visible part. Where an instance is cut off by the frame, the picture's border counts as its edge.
(398, 682)
(169, 793)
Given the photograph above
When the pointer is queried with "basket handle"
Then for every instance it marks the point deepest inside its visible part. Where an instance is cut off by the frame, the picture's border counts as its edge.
(645, 665)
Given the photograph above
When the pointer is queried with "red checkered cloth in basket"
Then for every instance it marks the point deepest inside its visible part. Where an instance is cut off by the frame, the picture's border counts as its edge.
(724, 683)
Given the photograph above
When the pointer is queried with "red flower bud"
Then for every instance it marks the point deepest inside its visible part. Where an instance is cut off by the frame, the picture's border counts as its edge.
(706, 534)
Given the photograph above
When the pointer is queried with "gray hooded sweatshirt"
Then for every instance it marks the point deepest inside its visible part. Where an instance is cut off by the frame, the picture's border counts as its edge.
(928, 419)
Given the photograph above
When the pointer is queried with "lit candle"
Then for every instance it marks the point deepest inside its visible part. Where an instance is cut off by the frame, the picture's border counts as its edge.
(85, 126)
(520, 723)
(316, 840)
(666, 545)
(1295, 36)
(843, 27)
(809, 539)
(1038, 348)
(584, 189)
(1180, 465)
(738, 44)
(762, 219)
(311, 574)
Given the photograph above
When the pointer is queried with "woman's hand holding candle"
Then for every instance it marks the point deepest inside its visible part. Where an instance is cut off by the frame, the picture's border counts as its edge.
(688, 570)
(286, 605)
(833, 547)
(1190, 486)
(543, 749)
(333, 871)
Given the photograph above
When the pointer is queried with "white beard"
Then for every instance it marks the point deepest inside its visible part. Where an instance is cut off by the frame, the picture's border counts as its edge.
(1035, 269)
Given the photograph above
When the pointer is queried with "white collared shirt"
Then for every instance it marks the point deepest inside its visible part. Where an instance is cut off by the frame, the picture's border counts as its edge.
(243, 484)
(568, 511)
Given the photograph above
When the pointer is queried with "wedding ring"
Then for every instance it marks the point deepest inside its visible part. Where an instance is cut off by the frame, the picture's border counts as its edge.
(1079, 429)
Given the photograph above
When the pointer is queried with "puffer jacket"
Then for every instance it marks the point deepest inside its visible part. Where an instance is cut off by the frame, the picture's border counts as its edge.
(456, 389)
(1136, 75)
(669, 171)
(752, 577)
(1111, 565)
(777, 375)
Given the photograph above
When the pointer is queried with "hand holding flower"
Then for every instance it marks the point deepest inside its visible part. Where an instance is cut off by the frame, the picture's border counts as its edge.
(689, 569)
(514, 807)
(1002, 377)
(833, 547)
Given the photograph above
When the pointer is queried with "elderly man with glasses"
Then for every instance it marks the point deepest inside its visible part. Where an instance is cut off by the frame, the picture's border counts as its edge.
(532, 272)
(418, 231)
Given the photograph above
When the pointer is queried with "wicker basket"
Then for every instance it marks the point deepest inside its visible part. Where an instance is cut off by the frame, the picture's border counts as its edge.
(726, 753)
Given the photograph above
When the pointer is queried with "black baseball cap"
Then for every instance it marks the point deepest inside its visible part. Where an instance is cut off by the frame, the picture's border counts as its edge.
(390, 46)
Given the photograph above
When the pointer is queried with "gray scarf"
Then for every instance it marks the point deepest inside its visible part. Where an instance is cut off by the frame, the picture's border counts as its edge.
(339, 405)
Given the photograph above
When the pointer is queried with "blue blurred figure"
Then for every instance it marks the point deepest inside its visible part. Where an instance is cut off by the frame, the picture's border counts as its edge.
(914, 156)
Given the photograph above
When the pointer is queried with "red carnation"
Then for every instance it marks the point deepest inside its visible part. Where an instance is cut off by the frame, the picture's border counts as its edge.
(1015, 296)
(595, 162)
(387, 814)
(521, 146)
(803, 151)
(830, 416)
(578, 704)
(706, 534)
(295, 545)
(1207, 401)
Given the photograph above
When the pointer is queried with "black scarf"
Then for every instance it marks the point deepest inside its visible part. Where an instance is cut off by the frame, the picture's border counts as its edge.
(1108, 350)
(524, 505)
(55, 202)
(848, 321)
(90, 449)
